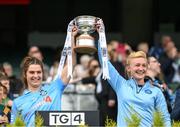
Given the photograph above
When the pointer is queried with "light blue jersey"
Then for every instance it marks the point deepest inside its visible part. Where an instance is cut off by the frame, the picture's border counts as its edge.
(133, 99)
(46, 99)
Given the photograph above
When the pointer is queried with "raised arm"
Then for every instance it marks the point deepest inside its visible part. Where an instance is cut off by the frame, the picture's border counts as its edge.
(64, 74)
(115, 79)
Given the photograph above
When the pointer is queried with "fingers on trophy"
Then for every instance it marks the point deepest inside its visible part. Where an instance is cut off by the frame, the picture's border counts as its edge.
(86, 30)
(89, 27)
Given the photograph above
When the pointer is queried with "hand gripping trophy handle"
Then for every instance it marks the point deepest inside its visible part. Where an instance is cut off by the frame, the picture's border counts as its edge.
(85, 42)
(86, 37)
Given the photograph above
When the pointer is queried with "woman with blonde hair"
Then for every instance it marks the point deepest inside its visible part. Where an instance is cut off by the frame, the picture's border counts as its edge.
(136, 95)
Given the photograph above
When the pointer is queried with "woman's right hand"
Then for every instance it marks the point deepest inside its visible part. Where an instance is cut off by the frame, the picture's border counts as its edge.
(74, 31)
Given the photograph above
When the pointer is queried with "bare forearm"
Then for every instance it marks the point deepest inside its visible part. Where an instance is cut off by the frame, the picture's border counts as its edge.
(65, 78)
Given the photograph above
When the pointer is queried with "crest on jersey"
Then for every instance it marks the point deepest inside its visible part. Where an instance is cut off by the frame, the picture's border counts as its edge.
(148, 91)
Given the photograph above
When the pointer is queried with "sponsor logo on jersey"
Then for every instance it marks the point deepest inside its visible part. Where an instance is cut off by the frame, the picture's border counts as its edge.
(47, 99)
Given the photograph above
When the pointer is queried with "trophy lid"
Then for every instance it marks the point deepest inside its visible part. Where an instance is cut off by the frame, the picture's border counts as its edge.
(85, 23)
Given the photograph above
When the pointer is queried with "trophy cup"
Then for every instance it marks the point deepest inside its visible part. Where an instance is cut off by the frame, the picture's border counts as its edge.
(85, 40)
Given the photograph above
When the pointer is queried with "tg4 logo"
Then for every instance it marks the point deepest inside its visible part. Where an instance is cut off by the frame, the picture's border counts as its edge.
(67, 118)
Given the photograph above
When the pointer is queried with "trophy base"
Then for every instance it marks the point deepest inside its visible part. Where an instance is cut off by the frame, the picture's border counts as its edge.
(85, 49)
(85, 44)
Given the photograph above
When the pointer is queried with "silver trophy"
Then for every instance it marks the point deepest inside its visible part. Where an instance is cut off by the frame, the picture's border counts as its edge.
(85, 41)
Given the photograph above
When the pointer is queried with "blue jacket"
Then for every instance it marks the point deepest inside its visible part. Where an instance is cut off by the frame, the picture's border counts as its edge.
(133, 99)
(46, 99)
